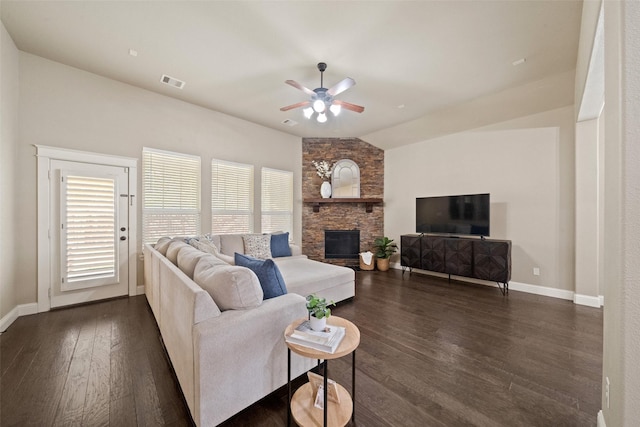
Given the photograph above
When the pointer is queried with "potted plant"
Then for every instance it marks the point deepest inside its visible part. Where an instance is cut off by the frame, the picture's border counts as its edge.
(384, 248)
(319, 312)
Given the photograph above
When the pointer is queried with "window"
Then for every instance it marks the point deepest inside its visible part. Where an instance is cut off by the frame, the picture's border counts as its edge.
(231, 197)
(88, 232)
(277, 200)
(171, 194)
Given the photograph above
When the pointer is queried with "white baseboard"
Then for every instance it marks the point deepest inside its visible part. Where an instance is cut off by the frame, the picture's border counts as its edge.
(587, 300)
(17, 311)
(140, 290)
(542, 290)
(526, 287)
(601, 422)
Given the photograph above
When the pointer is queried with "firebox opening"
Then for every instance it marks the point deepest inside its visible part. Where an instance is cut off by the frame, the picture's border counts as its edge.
(341, 243)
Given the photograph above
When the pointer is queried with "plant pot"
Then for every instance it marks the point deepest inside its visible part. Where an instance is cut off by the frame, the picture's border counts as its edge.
(318, 324)
(382, 264)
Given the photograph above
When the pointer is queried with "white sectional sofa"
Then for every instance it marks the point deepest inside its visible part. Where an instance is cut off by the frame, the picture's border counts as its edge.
(225, 342)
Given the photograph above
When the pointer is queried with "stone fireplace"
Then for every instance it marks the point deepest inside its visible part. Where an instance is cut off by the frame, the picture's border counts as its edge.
(341, 216)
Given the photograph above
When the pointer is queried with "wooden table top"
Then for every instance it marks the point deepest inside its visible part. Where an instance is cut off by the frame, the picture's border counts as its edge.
(349, 343)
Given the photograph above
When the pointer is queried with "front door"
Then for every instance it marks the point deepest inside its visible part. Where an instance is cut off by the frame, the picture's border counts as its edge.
(90, 207)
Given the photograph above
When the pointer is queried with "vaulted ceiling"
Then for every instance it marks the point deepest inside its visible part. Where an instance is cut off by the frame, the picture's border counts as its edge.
(422, 68)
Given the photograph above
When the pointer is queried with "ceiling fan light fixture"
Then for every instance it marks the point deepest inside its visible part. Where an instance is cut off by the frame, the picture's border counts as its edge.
(318, 106)
(308, 112)
(322, 99)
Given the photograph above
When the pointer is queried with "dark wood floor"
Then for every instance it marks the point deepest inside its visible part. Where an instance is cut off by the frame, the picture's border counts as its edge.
(432, 354)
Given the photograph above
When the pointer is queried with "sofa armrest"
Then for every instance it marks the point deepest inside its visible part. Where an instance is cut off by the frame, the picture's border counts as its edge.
(241, 356)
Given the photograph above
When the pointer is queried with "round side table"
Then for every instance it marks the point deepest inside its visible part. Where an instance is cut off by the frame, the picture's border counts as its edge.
(301, 404)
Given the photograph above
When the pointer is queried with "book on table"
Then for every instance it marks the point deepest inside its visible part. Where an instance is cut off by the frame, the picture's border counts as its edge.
(327, 340)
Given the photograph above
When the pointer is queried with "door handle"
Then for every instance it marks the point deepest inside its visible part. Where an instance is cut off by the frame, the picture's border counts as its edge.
(123, 237)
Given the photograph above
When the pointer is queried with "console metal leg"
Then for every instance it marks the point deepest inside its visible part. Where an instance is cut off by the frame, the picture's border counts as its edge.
(504, 288)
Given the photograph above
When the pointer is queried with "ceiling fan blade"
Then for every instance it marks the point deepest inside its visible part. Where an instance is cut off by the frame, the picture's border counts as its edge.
(299, 86)
(298, 105)
(341, 86)
(349, 106)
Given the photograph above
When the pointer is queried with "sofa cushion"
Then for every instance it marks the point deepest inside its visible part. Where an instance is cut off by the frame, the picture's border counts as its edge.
(162, 244)
(231, 243)
(304, 276)
(188, 257)
(268, 274)
(231, 287)
(207, 245)
(280, 245)
(257, 245)
(173, 249)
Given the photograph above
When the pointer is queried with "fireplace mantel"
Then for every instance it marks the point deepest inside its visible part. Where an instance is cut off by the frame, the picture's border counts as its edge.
(368, 201)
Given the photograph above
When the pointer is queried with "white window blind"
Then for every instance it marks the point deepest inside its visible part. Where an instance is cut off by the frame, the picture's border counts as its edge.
(171, 194)
(231, 197)
(88, 230)
(277, 200)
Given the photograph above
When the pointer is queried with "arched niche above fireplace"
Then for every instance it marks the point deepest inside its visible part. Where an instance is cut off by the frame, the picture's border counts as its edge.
(345, 180)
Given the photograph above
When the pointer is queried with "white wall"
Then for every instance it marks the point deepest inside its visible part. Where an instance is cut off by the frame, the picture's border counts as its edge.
(61, 106)
(527, 166)
(9, 103)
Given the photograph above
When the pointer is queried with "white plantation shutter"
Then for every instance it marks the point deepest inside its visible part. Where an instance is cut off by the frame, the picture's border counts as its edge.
(88, 230)
(171, 194)
(231, 197)
(277, 200)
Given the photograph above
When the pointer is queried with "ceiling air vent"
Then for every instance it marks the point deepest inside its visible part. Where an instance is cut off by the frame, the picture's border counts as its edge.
(289, 122)
(172, 82)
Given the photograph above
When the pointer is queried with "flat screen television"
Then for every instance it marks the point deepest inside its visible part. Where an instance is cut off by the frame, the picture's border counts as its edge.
(466, 215)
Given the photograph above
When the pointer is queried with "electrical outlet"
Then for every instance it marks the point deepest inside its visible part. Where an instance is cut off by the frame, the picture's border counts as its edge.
(536, 271)
(606, 391)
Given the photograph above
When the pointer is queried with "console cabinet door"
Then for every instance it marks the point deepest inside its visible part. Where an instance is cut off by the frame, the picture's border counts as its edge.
(433, 250)
(459, 257)
(410, 251)
(492, 260)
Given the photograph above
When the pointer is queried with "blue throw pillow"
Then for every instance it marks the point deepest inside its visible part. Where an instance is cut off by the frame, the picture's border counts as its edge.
(268, 274)
(280, 245)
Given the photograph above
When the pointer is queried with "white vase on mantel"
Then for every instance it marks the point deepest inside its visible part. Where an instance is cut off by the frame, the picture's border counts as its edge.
(325, 190)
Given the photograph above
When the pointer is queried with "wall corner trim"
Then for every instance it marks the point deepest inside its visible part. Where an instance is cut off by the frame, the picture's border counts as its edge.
(587, 300)
(17, 311)
(600, 422)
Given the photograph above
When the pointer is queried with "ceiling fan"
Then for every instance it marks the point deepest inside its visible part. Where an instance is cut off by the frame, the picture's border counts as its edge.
(323, 99)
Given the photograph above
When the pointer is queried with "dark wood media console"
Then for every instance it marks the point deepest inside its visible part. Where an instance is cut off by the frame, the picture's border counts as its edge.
(485, 259)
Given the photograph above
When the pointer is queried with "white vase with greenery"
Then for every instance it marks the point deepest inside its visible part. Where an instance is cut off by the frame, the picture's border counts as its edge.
(324, 170)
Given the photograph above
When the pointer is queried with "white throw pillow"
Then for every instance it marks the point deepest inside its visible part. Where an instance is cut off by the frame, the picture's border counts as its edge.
(257, 245)
(231, 287)
(205, 246)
